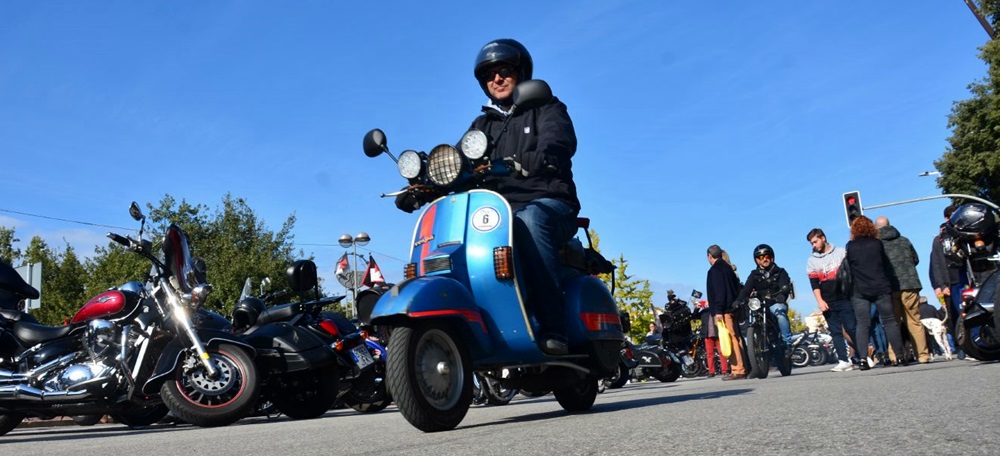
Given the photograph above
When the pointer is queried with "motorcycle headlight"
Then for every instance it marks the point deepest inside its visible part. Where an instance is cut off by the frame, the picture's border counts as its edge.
(410, 164)
(474, 144)
(754, 304)
(444, 165)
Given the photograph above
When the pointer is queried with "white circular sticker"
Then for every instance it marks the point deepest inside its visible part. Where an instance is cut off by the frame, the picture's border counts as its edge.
(485, 219)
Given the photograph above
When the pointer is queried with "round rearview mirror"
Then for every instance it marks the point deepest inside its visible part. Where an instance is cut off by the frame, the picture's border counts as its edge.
(375, 143)
(531, 94)
(135, 212)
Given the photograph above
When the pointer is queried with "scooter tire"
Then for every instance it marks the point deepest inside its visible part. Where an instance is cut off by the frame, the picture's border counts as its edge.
(430, 376)
(578, 397)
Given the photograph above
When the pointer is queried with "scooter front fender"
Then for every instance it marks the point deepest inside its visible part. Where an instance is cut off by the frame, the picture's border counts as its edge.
(434, 297)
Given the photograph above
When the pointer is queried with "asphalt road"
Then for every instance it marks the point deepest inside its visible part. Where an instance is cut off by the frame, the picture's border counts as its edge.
(943, 408)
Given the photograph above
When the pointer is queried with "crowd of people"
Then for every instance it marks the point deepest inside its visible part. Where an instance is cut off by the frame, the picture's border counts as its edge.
(867, 291)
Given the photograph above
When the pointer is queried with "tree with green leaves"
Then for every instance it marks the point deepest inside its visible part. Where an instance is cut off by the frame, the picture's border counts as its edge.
(634, 296)
(971, 162)
(8, 254)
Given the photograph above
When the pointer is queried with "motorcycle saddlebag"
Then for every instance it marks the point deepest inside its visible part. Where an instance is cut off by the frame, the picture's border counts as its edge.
(284, 348)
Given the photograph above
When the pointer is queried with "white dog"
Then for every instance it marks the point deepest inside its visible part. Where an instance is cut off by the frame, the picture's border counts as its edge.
(940, 333)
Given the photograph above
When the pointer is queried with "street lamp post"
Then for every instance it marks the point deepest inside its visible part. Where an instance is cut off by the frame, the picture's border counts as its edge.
(346, 241)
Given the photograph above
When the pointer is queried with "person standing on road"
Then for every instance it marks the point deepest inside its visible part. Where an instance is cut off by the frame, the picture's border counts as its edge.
(721, 290)
(836, 305)
(948, 280)
(710, 335)
(906, 285)
(868, 264)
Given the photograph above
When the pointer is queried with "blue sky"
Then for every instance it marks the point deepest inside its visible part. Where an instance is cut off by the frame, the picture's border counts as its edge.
(697, 122)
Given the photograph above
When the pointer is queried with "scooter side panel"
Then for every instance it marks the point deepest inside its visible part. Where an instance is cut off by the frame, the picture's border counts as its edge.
(591, 310)
(434, 297)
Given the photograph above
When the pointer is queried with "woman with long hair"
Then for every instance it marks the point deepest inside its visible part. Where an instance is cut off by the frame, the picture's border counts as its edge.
(867, 262)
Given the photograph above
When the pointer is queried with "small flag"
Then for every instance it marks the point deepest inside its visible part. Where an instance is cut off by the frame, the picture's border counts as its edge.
(373, 275)
(343, 266)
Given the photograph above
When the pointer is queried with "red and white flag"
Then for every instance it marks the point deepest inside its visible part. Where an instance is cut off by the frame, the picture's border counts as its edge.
(373, 274)
(343, 266)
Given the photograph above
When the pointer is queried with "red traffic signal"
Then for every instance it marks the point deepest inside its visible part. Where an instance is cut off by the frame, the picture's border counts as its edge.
(852, 206)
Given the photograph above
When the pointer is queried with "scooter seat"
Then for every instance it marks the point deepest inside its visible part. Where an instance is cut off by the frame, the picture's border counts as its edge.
(33, 333)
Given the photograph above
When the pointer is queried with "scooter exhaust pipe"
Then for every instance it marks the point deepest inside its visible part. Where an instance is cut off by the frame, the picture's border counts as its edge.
(24, 392)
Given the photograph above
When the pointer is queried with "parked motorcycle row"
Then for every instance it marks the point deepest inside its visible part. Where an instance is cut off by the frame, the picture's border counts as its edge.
(147, 348)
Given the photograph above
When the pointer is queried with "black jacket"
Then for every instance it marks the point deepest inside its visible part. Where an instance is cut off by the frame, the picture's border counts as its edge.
(772, 285)
(541, 139)
(722, 288)
(869, 267)
(943, 273)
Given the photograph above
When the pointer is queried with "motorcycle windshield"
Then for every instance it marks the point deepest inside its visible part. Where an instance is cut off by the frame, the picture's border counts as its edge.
(180, 263)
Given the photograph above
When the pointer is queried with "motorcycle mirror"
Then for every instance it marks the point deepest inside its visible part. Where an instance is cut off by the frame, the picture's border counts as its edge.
(264, 284)
(531, 94)
(135, 212)
(375, 143)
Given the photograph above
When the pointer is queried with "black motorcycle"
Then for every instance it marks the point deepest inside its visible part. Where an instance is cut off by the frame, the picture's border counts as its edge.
(764, 343)
(131, 352)
(653, 359)
(972, 239)
(299, 369)
(350, 355)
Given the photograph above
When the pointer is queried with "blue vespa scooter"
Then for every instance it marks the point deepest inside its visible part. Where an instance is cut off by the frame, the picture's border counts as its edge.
(461, 307)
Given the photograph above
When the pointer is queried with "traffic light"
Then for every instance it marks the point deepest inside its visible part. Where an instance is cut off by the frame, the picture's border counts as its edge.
(852, 206)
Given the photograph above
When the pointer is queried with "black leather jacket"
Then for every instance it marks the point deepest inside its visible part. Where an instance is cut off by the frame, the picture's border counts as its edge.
(772, 285)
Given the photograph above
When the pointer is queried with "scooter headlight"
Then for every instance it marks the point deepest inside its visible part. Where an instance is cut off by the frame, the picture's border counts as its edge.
(444, 165)
(754, 304)
(410, 165)
(474, 144)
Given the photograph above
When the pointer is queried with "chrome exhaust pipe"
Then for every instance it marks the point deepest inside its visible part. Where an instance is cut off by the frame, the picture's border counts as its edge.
(27, 393)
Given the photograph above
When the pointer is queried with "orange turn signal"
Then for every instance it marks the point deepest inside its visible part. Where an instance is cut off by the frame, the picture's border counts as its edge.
(503, 262)
(410, 270)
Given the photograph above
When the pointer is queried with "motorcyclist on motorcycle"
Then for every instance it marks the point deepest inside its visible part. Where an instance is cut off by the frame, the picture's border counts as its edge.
(772, 286)
(676, 321)
(538, 145)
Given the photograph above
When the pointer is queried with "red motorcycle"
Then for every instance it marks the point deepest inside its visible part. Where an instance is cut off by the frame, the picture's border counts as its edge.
(133, 352)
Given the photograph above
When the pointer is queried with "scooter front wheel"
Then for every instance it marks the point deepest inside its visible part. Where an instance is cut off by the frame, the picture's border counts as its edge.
(430, 376)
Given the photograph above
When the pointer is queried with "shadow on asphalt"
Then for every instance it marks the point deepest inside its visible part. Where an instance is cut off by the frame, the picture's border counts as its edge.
(611, 407)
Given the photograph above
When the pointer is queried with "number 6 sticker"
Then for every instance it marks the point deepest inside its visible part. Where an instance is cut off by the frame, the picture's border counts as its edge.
(485, 219)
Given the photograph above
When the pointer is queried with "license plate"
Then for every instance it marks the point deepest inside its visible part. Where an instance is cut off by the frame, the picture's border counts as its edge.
(687, 360)
(361, 356)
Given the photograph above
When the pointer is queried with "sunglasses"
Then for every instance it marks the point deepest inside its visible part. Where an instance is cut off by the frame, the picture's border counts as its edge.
(504, 72)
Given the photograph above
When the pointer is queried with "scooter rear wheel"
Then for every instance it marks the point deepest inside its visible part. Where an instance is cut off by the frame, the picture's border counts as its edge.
(430, 376)
(578, 397)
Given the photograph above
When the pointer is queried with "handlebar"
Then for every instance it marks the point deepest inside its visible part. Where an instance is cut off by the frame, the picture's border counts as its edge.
(127, 242)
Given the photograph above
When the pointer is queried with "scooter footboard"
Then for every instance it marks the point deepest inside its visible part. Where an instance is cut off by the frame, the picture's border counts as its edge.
(434, 297)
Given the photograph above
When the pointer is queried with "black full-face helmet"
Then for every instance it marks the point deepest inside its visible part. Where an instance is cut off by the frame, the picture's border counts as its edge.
(504, 50)
(246, 311)
(972, 230)
(762, 250)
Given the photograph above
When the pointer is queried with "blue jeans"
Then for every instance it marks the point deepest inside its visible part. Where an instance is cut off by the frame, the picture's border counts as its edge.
(877, 337)
(540, 228)
(840, 318)
(780, 312)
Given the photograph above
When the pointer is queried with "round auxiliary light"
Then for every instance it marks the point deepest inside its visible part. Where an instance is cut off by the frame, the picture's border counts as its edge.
(409, 164)
(474, 144)
(754, 304)
(444, 165)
